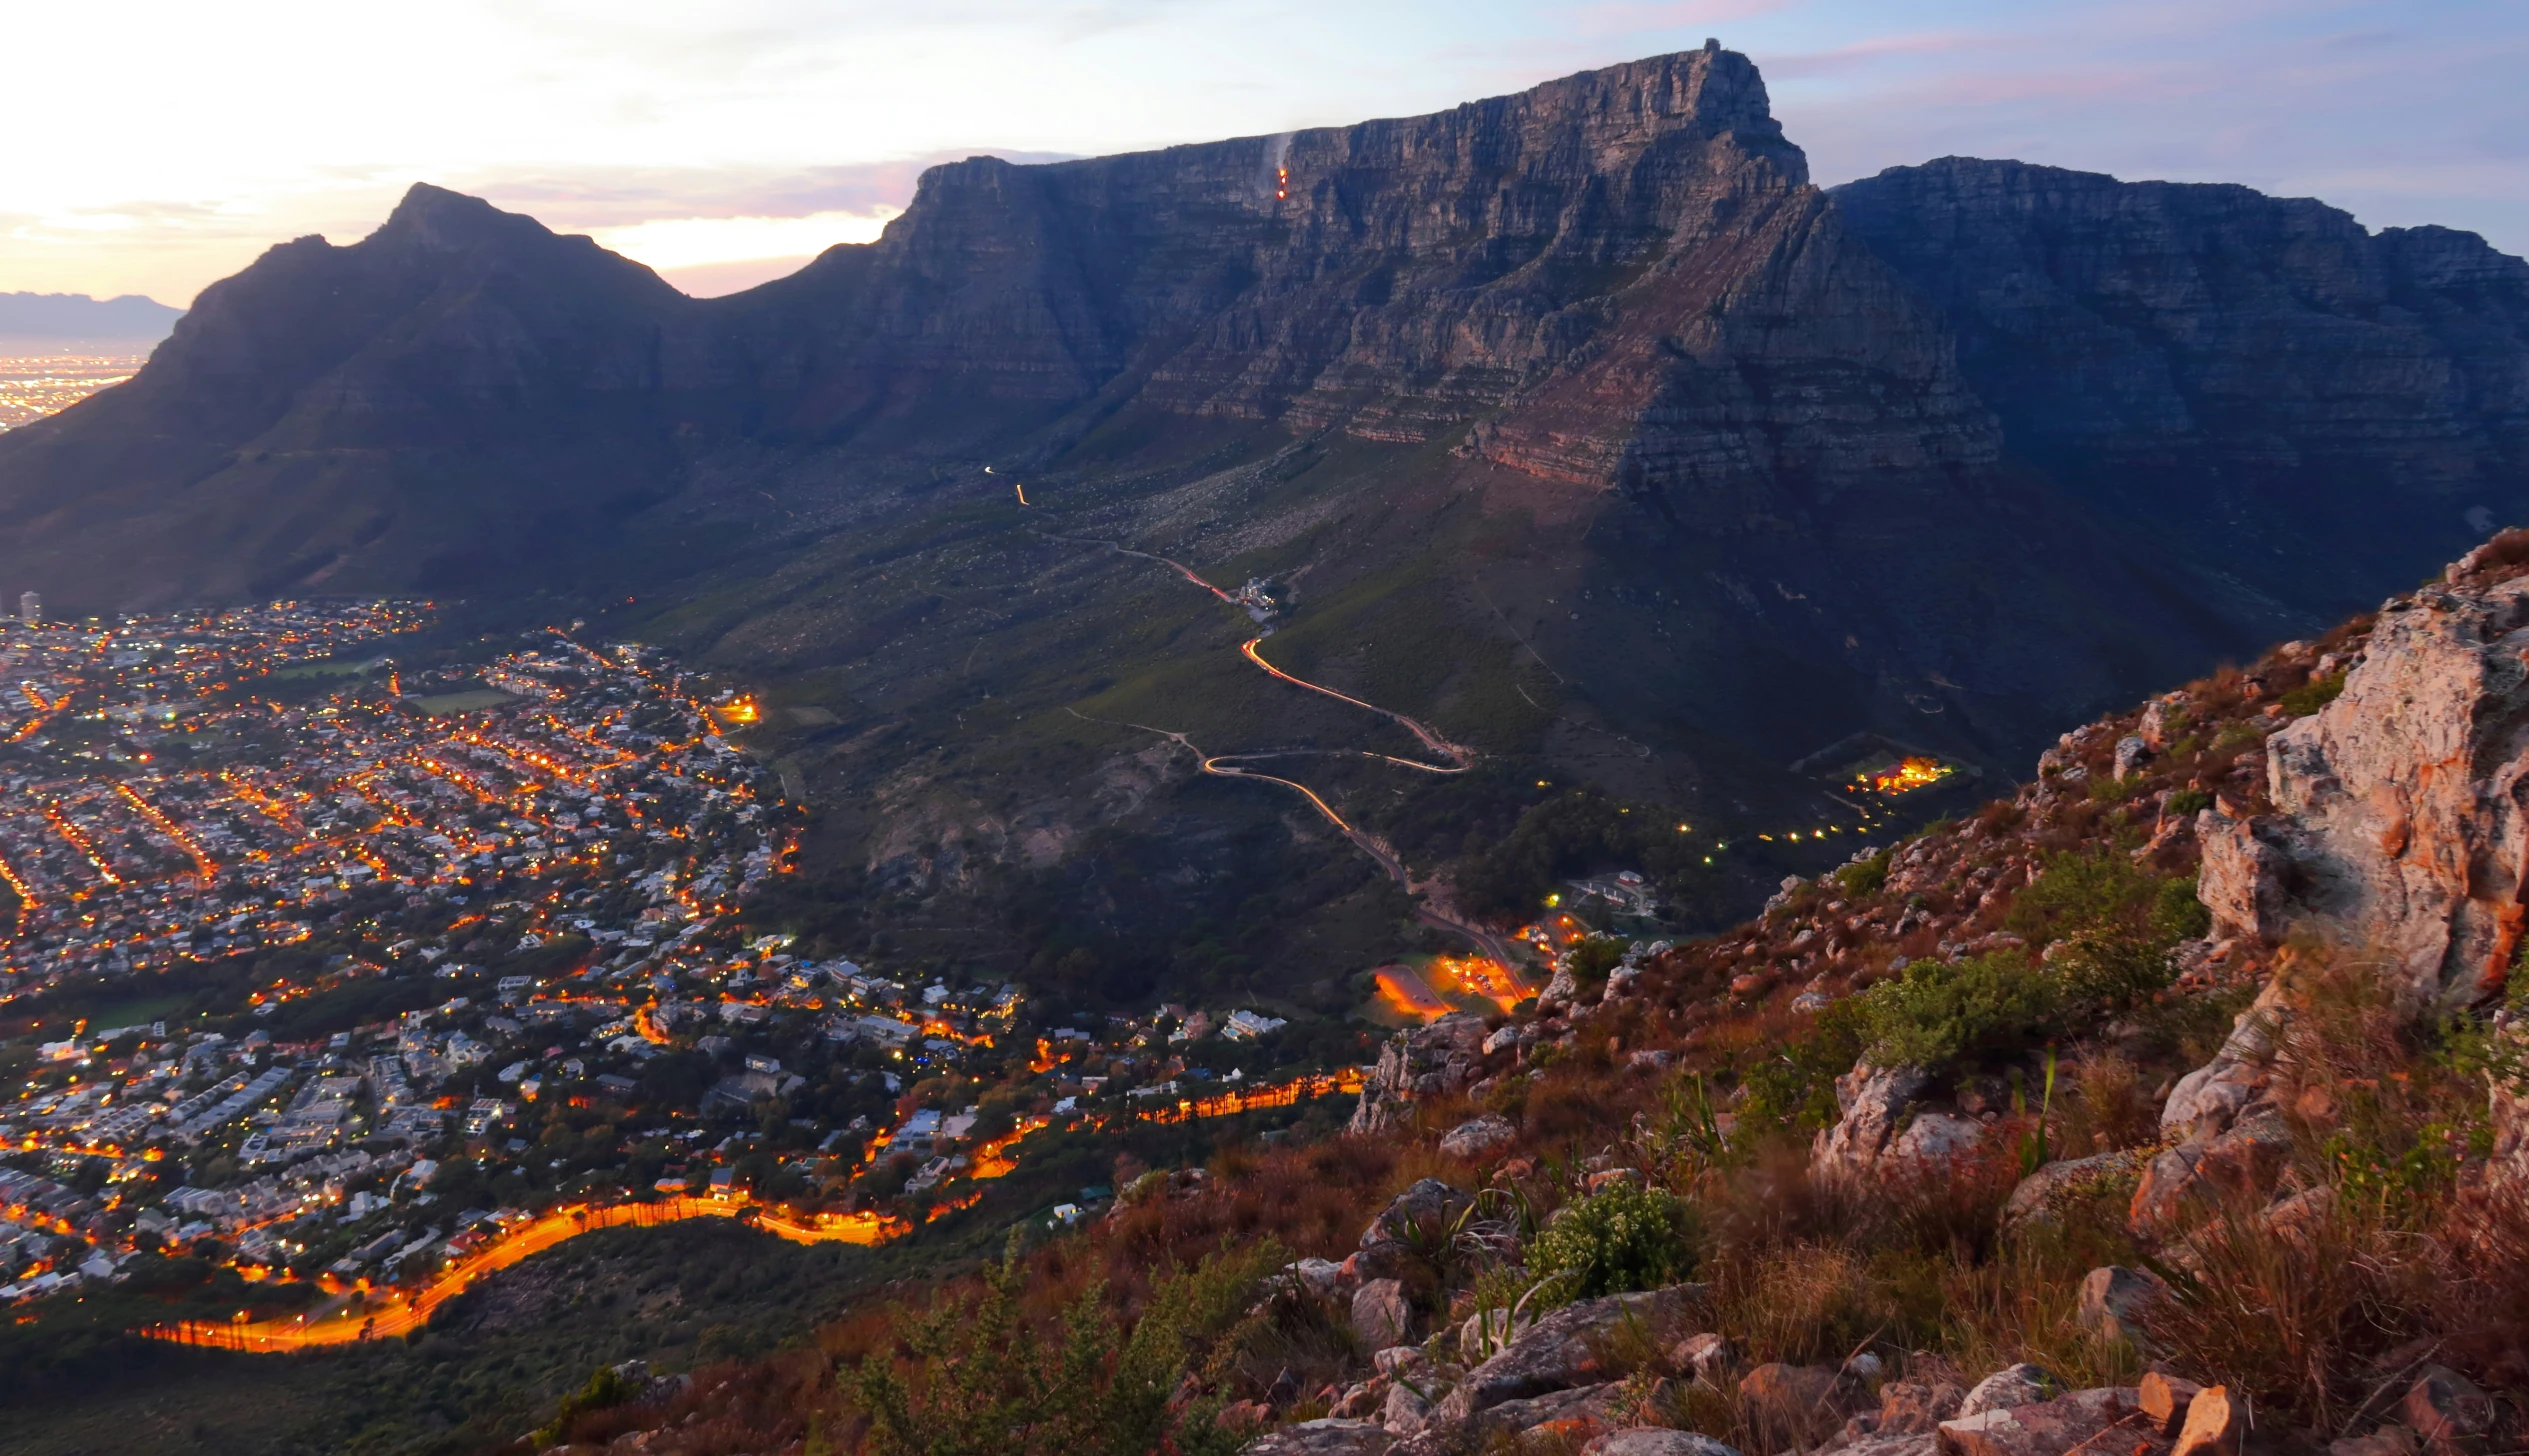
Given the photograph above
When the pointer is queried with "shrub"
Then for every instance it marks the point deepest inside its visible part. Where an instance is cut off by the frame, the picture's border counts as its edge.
(1944, 1016)
(2186, 803)
(1864, 877)
(1619, 1239)
(2313, 695)
(1593, 958)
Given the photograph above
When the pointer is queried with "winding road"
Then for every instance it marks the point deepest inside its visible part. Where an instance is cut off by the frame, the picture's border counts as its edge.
(1233, 765)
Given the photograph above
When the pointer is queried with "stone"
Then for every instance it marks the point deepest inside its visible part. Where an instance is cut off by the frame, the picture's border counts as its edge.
(1913, 1408)
(1503, 1039)
(1333, 1436)
(1563, 1348)
(1358, 1401)
(2040, 1196)
(2163, 1399)
(1478, 1136)
(1406, 1411)
(1380, 1315)
(2115, 1302)
(2388, 1440)
(2394, 831)
(1486, 1331)
(1790, 1404)
(2215, 1421)
(1420, 1061)
(2131, 751)
(2446, 1411)
(1646, 1441)
(1708, 1357)
(1581, 1412)
(1400, 1362)
(2013, 1385)
(1317, 1276)
(1865, 1366)
(2053, 1427)
(1874, 1101)
(2193, 1178)
(1428, 1205)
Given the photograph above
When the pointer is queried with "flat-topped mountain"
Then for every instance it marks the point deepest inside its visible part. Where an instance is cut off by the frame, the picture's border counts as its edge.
(1577, 423)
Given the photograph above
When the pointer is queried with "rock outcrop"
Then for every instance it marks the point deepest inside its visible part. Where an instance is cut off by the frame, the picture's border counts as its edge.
(2400, 833)
(1421, 1061)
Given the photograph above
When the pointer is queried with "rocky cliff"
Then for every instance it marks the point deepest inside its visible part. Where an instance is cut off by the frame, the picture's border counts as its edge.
(1582, 394)
(2252, 384)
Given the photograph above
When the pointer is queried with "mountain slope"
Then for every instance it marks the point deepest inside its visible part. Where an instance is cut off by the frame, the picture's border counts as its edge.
(2255, 383)
(1576, 423)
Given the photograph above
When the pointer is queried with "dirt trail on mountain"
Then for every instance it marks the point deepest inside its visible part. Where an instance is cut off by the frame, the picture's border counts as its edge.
(1233, 765)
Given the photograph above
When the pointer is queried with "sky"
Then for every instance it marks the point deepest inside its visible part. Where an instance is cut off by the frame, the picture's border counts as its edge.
(158, 145)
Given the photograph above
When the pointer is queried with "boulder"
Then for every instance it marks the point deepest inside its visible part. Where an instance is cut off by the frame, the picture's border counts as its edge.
(1911, 1408)
(1330, 1437)
(1478, 1136)
(2044, 1427)
(1563, 1348)
(1649, 1442)
(1381, 1317)
(1708, 1357)
(1581, 1412)
(2115, 1301)
(1428, 1205)
(1420, 1061)
(1317, 1276)
(1485, 1331)
(1406, 1411)
(2447, 1412)
(2193, 1178)
(1791, 1405)
(2396, 831)
(1360, 1401)
(2013, 1385)
(1402, 1362)
(2040, 1196)
(2389, 1440)
(1874, 1101)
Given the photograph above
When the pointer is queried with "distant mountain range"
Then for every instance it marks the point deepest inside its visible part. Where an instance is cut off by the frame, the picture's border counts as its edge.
(77, 316)
(1578, 422)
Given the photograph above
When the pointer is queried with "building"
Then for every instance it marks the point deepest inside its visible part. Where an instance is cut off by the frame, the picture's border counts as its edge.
(30, 607)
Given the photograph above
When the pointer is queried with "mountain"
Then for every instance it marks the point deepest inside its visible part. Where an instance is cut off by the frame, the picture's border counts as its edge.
(1577, 424)
(128, 317)
(2257, 383)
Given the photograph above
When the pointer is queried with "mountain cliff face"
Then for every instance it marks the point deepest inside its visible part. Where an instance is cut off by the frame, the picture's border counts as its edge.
(2257, 382)
(1586, 423)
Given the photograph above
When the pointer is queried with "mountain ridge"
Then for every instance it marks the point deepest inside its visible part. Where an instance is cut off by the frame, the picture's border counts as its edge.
(1580, 416)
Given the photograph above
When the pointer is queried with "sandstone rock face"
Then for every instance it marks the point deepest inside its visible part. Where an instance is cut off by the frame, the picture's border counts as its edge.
(2171, 351)
(2401, 832)
(1419, 1062)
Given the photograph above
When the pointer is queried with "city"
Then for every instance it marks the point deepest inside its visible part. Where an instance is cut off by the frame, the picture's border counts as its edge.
(362, 978)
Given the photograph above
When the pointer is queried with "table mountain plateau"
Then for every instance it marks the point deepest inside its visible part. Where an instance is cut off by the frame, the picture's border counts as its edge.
(1577, 422)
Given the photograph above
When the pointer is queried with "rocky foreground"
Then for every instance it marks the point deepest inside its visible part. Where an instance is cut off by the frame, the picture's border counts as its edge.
(2171, 1106)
